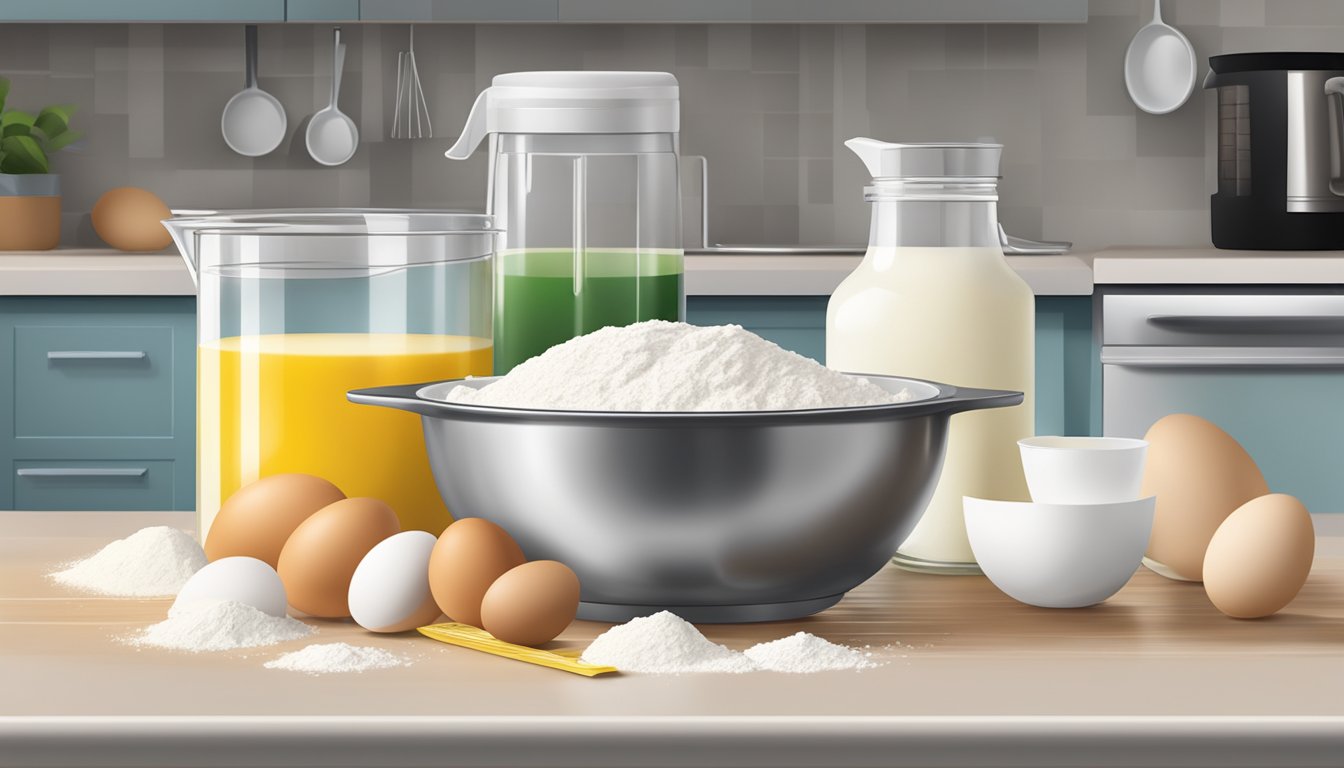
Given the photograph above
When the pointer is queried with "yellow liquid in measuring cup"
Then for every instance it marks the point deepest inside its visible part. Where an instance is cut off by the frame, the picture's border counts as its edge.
(276, 403)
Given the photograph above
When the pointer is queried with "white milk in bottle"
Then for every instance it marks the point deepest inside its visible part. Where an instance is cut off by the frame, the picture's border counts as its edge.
(935, 299)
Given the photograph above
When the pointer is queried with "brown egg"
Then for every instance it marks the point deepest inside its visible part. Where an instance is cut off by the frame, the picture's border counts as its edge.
(1260, 556)
(129, 219)
(322, 554)
(1199, 474)
(258, 519)
(468, 557)
(531, 604)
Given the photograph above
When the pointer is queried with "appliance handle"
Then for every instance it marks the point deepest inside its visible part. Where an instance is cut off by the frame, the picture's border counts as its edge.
(1223, 357)
(1334, 109)
(81, 472)
(96, 355)
(1315, 323)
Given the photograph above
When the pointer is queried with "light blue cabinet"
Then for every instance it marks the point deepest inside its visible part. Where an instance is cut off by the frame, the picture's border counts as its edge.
(97, 395)
(571, 11)
(1068, 367)
(168, 11)
(97, 403)
(142, 10)
(321, 10)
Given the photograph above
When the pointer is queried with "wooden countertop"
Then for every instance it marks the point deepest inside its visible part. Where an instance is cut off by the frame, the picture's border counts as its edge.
(1153, 677)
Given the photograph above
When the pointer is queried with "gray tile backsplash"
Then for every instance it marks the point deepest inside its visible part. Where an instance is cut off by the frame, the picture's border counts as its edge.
(768, 105)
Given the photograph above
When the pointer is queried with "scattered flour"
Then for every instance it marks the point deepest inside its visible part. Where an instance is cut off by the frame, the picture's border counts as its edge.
(662, 366)
(804, 653)
(666, 644)
(220, 626)
(152, 562)
(324, 658)
(663, 643)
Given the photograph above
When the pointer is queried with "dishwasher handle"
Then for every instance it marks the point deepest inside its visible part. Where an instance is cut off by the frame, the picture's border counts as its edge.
(1278, 324)
(1223, 357)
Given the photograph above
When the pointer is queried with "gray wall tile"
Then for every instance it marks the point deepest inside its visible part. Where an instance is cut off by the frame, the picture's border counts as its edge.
(768, 105)
(1243, 13)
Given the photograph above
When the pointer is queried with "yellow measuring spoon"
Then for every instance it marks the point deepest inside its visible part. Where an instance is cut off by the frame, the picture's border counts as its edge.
(467, 636)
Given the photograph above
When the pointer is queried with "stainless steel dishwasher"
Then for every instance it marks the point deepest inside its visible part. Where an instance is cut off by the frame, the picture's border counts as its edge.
(1266, 365)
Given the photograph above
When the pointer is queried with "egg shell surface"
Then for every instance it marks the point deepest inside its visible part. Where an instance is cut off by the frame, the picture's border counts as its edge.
(532, 603)
(389, 591)
(1199, 474)
(1260, 557)
(258, 519)
(469, 555)
(130, 219)
(244, 580)
(320, 558)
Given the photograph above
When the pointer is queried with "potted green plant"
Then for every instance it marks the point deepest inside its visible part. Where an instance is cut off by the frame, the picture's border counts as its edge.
(30, 195)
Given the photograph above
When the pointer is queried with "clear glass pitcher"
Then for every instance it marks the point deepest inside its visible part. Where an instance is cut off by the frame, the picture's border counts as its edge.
(295, 308)
(584, 183)
(934, 298)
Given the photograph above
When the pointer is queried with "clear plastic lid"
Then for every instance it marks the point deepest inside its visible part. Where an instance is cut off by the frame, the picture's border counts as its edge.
(928, 160)
(572, 103)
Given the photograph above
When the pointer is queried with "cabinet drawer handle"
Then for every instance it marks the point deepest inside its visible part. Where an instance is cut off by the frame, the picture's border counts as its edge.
(82, 472)
(109, 355)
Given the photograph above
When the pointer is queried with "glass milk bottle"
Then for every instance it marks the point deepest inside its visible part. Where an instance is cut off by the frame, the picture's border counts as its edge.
(934, 298)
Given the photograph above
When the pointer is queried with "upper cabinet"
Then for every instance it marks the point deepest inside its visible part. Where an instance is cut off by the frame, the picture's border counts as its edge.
(142, 10)
(459, 10)
(826, 11)
(322, 10)
(563, 11)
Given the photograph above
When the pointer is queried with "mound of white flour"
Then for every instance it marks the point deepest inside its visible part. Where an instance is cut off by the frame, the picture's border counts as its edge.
(325, 658)
(663, 643)
(220, 626)
(662, 366)
(803, 652)
(152, 562)
(666, 644)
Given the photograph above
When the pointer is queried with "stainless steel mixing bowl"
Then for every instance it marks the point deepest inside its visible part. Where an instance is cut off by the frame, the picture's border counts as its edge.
(718, 517)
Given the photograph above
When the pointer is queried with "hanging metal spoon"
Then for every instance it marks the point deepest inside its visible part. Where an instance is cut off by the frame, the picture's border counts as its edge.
(1160, 66)
(332, 136)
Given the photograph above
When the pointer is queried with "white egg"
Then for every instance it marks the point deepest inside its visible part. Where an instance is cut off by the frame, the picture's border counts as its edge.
(390, 588)
(235, 579)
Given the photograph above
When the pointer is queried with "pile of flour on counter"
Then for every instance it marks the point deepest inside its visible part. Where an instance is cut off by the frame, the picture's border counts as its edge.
(326, 658)
(663, 643)
(220, 626)
(804, 653)
(666, 644)
(152, 562)
(662, 366)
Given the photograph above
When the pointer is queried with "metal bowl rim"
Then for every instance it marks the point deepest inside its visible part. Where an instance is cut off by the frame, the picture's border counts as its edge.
(941, 393)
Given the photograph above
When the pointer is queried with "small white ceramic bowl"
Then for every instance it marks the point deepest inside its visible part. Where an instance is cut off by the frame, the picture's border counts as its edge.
(1058, 555)
(1083, 470)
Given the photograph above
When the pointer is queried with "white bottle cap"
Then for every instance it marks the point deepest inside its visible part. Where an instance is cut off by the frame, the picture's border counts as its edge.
(889, 160)
(572, 102)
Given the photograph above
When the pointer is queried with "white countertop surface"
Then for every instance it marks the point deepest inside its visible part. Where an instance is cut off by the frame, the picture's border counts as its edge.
(91, 272)
(94, 272)
(1211, 266)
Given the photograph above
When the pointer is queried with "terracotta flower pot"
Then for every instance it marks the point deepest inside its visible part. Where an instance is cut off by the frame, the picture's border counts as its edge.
(30, 211)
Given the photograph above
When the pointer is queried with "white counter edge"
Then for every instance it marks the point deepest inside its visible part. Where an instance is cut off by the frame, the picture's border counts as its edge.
(1211, 266)
(779, 742)
(93, 273)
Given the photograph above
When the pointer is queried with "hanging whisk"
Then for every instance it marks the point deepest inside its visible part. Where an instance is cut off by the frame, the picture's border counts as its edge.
(410, 119)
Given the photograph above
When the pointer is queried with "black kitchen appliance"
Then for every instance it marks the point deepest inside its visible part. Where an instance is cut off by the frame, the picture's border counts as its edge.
(1280, 151)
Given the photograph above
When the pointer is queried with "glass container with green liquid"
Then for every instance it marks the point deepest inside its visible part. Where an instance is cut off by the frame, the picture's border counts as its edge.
(584, 183)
